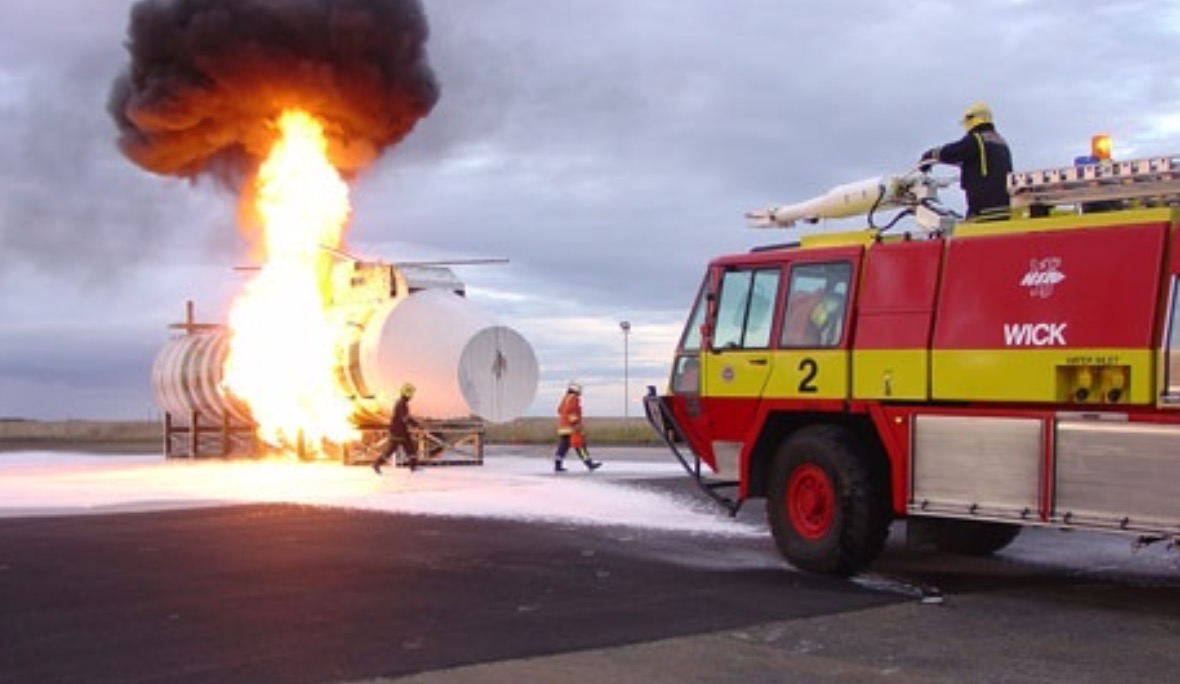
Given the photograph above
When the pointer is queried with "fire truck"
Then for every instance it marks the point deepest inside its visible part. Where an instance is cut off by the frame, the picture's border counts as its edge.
(971, 377)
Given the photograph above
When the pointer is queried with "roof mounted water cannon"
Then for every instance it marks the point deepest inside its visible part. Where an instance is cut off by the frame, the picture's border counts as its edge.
(915, 192)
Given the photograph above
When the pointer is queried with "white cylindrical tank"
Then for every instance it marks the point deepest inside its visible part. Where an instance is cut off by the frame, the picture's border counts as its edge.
(462, 363)
(186, 379)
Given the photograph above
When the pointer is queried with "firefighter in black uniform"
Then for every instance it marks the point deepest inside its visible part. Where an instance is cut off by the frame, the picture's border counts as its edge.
(399, 432)
(984, 160)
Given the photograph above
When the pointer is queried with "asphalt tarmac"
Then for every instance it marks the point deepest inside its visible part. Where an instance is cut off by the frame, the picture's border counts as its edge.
(281, 593)
(299, 594)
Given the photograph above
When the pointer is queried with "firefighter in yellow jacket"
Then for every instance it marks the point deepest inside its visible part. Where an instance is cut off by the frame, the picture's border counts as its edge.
(570, 431)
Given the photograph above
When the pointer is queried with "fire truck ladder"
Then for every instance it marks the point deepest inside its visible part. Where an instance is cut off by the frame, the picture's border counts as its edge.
(668, 428)
(1155, 180)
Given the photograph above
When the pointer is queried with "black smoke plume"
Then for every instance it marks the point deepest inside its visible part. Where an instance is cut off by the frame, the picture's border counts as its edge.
(208, 78)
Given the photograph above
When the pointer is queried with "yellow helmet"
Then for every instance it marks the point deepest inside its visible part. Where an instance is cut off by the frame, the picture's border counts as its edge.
(408, 390)
(978, 113)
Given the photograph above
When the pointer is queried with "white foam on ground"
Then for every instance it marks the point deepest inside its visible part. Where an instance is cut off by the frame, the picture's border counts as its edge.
(506, 486)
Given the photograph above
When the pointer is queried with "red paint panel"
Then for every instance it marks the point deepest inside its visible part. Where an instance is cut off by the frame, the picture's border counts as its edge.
(893, 331)
(901, 276)
(897, 296)
(1175, 252)
(893, 426)
(694, 424)
(1072, 288)
(730, 416)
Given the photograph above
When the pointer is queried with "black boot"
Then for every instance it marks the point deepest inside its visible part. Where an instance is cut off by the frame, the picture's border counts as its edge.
(377, 465)
(558, 466)
(593, 465)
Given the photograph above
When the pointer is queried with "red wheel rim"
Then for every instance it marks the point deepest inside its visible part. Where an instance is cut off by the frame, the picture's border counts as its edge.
(811, 501)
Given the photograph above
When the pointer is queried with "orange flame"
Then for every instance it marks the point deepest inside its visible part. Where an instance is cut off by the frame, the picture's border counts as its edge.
(283, 347)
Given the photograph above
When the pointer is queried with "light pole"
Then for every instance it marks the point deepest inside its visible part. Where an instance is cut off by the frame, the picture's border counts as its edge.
(625, 326)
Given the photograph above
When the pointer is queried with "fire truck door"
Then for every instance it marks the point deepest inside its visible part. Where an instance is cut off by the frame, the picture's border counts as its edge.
(735, 368)
(686, 372)
(812, 360)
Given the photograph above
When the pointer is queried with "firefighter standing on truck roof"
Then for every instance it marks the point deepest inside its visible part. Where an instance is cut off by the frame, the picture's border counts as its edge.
(570, 430)
(399, 432)
(984, 162)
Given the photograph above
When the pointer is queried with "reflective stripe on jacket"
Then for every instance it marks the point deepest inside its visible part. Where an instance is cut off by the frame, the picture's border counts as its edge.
(984, 162)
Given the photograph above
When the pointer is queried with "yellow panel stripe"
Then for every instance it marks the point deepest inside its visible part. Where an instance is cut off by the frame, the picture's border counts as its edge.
(1067, 222)
(841, 239)
(809, 374)
(898, 374)
(735, 373)
(1041, 375)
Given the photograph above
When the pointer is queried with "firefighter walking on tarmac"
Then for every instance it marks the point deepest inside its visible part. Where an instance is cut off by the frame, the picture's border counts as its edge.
(570, 430)
(399, 432)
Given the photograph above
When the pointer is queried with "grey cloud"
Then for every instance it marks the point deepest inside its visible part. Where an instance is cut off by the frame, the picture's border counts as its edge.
(44, 371)
(627, 140)
(609, 148)
(69, 203)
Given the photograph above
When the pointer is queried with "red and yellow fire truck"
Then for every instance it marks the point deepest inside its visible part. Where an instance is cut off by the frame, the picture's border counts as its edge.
(972, 377)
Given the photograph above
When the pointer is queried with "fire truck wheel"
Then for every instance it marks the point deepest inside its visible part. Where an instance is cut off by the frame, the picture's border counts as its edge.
(970, 537)
(827, 507)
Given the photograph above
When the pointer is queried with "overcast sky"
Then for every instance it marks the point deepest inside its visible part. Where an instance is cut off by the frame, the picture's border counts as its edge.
(607, 148)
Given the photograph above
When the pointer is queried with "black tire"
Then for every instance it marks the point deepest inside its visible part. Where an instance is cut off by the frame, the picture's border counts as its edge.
(969, 537)
(828, 507)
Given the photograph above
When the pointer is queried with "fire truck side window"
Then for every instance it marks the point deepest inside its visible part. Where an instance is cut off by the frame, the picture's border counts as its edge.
(745, 309)
(686, 371)
(690, 341)
(816, 305)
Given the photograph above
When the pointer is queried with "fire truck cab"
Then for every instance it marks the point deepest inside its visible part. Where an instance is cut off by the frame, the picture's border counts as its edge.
(973, 379)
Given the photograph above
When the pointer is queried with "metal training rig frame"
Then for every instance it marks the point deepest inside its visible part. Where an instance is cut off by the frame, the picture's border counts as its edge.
(452, 442)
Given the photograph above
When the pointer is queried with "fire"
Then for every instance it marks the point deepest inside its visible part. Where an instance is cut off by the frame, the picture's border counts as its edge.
(282, 358)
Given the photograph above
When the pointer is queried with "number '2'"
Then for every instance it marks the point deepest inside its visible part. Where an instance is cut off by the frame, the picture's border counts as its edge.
(810, 369)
